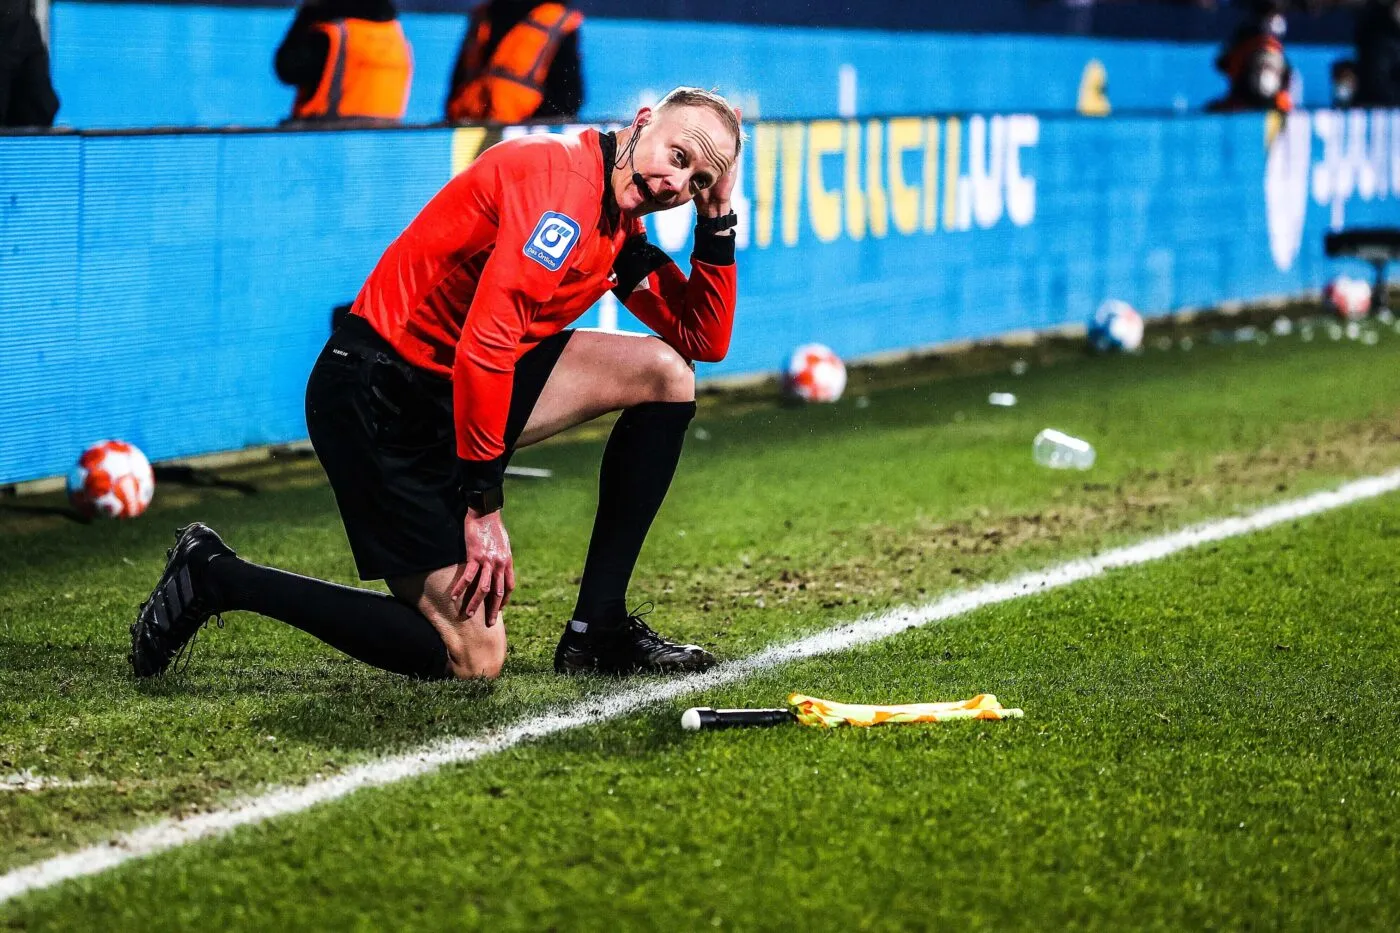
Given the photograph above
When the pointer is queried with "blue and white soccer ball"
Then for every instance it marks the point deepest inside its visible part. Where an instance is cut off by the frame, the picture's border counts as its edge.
(1115, 328)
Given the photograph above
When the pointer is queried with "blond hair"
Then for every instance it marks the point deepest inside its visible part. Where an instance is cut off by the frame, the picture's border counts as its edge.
(699, 97)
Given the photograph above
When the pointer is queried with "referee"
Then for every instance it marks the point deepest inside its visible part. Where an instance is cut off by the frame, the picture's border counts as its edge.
(457, 352)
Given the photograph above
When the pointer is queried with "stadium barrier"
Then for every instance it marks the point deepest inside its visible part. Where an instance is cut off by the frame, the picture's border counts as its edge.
(126, 64)
(174, 289)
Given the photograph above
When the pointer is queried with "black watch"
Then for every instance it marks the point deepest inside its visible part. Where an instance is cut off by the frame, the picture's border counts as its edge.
(484, 503)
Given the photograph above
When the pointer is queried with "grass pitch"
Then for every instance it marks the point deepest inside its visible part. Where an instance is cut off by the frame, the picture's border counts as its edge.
(1249, 684)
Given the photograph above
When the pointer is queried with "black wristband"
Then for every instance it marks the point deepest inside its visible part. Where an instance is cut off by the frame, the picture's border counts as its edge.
(484, 503)
(716, 224)
(481, 475)
(713, 248)
(635, 261)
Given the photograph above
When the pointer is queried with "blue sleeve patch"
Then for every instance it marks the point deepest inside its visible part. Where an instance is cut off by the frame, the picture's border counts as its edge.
(553, 240)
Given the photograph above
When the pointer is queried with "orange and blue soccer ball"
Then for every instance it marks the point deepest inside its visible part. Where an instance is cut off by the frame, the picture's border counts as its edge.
(112, 479)
(1115, 328)
(814, 374)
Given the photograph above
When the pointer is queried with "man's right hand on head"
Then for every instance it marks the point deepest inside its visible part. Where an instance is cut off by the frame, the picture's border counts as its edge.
(488, 577)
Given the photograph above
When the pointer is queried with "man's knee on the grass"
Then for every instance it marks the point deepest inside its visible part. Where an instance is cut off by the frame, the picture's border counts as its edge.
(478, 659)
(474, 650)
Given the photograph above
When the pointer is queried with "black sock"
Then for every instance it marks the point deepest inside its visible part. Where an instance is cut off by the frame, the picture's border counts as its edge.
(638, 464)
(366, 625)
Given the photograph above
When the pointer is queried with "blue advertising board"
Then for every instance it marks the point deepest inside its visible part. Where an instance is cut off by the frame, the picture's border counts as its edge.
(173, 290)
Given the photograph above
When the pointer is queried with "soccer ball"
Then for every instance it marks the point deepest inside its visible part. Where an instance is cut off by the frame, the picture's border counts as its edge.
(111, 478)
(815, 374)
(1348, 297)
(1115, 326)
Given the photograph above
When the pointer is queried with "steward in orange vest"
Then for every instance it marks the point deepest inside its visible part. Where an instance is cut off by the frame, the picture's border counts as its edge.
(1254, 63)
(519, 60)
(348, 60)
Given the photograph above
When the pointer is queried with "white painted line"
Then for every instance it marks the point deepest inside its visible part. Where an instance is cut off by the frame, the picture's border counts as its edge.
(28, 781)
(530, 472)
(168, 834)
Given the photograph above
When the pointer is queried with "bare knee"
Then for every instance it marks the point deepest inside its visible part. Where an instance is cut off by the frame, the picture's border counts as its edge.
(669, 378)
(477, 664)
(474, 652)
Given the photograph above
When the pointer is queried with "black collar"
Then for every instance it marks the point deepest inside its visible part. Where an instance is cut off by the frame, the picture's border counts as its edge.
(607, 144)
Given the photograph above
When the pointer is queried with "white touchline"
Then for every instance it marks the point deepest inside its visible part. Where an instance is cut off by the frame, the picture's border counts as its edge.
(168, 834)
(29, 782)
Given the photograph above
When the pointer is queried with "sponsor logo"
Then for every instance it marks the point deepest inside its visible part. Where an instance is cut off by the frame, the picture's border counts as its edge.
(852, 179)
(554, 236)
(907, 176)
(1331, 157)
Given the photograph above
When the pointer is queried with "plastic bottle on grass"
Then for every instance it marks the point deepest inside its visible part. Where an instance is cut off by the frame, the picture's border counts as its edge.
(1059, 451)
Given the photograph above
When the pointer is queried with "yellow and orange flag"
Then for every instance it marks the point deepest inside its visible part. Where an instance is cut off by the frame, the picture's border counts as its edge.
(811, 711)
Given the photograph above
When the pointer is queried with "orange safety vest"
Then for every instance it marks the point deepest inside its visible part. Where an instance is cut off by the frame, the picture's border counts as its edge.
(1235, 62)
(367, 74)
(510, 87)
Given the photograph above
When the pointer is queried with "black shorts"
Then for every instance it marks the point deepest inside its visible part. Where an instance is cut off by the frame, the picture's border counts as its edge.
(385, 435)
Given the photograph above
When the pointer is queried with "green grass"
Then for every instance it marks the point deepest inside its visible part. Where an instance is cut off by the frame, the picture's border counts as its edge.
(1209, 743)
(784, 521)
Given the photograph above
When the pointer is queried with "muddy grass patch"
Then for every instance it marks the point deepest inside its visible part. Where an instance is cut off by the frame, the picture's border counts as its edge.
(879, 565)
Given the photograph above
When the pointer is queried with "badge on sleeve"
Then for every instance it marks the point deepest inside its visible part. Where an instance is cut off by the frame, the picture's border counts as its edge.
(553, 239)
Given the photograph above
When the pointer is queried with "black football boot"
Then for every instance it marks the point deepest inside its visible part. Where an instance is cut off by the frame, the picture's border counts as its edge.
(631, 648)
(180, 604)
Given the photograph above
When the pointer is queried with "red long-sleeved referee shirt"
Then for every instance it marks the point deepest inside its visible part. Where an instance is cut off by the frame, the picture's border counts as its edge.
(513, 250)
